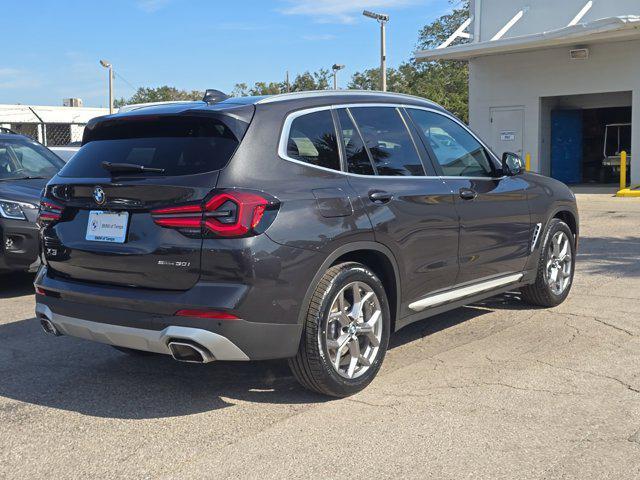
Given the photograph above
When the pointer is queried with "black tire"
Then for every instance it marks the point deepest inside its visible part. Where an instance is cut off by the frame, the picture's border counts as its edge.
(312, 366)
(540, 293)
(135, 353)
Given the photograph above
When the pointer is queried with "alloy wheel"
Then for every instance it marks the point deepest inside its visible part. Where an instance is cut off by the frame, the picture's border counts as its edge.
(559, 263)
(354, 330)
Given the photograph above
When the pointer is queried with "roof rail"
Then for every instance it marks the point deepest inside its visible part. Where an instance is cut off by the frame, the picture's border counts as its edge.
(8, 130)
(321, 93)
(137, 106)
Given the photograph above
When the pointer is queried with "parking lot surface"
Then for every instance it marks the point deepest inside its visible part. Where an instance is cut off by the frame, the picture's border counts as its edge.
(496, 390)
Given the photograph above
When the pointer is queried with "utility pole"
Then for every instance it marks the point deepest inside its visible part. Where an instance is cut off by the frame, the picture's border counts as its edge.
(382, 19)
(336, 68)
(108, 66)
(287, 82)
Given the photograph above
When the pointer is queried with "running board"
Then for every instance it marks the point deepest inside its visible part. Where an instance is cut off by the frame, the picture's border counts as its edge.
(461, 292)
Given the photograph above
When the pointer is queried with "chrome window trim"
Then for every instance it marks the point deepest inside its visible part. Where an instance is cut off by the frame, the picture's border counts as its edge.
(286, 128)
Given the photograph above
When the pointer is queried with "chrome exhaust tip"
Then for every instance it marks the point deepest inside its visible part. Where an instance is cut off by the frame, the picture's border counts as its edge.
(49, 327)
(184, 351)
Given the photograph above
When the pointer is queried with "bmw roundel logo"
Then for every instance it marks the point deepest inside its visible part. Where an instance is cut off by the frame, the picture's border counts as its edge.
(99, 196)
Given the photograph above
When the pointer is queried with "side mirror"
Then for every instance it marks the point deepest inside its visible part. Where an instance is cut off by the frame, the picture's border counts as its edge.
(511, 164)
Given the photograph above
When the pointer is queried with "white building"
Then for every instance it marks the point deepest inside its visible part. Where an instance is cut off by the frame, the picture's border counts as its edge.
(548, 76)
(52, 126)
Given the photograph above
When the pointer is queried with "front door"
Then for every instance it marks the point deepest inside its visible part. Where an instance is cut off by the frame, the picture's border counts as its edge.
(412, 210)
(495, 226)
(507, 126)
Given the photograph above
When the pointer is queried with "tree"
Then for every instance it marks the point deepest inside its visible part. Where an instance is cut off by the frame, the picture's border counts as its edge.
(445, 82)
(164, 93)
(305, 81)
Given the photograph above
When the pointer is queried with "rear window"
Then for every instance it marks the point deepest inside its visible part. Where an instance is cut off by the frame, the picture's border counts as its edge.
(312, 139)
(179, 145)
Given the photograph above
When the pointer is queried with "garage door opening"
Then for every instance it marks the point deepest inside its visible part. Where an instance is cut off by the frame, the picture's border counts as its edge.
(586, 134)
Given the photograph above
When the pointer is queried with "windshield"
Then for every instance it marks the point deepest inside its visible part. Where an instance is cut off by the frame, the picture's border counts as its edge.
(21, 158)
(175, 145)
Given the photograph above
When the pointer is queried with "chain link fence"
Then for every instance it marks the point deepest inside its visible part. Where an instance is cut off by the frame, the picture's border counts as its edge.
(50, 134)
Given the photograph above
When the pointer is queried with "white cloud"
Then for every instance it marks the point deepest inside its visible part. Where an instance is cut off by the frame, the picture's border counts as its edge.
(151, 6)
(340, 11)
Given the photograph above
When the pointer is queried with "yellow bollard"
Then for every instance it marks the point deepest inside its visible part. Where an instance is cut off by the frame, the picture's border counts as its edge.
(527, 162)
(623, 170)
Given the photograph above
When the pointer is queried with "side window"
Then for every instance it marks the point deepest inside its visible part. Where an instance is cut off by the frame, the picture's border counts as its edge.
(389, 141)
(312, 139)
(456, 150)
(356, 154)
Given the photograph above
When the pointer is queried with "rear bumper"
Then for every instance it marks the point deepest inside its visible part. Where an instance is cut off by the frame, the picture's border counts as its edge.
(148, 323)
(139, 338)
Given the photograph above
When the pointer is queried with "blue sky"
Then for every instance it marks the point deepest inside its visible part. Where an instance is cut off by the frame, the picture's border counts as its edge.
(51, 48)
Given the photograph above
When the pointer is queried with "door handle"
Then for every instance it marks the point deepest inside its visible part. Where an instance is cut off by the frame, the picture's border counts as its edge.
(468, 194)
(380, 197)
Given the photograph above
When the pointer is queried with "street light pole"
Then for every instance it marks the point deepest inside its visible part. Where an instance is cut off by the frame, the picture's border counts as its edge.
(382, 19)
(108, 66)
(336, 68)
(383, 57)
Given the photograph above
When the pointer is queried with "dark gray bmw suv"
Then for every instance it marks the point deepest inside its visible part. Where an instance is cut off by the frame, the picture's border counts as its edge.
(305, 226)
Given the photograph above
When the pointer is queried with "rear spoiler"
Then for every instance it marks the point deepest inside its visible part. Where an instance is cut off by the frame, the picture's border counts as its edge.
(236, 118)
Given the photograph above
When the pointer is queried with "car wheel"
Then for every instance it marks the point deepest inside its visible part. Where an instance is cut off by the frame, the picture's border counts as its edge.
(555, 268)
(346, 332)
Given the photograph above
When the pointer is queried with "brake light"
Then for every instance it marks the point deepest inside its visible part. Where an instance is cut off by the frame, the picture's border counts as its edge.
(49, 212)
(211, 314)
(226, 214)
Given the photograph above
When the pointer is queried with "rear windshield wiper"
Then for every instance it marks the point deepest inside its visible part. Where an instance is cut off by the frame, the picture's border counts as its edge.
(130, 167)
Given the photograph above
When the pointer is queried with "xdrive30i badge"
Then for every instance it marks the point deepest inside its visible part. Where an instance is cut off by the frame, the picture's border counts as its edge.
(166, 263)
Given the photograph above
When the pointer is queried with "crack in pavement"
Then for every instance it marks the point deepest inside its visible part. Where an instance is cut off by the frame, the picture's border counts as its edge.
(587, 372)
(602, 321)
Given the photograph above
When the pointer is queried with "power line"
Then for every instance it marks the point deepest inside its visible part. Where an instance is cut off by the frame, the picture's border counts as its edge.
(119, 75)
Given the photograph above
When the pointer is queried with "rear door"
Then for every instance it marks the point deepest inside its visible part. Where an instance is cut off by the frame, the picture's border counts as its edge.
(495, 225)
(106, 232)
(412, 210)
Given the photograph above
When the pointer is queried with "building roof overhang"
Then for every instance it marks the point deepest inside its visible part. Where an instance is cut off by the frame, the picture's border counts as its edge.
(599, 31)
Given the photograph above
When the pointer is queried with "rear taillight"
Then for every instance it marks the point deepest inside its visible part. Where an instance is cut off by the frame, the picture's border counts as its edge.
(49, 212)
(232, 213)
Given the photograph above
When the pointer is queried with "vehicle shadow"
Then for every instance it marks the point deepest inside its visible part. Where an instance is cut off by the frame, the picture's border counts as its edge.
(96, 380)
(16, 284)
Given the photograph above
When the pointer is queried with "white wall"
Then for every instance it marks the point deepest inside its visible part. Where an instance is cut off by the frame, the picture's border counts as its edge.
(526, 78)
(543, 15)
